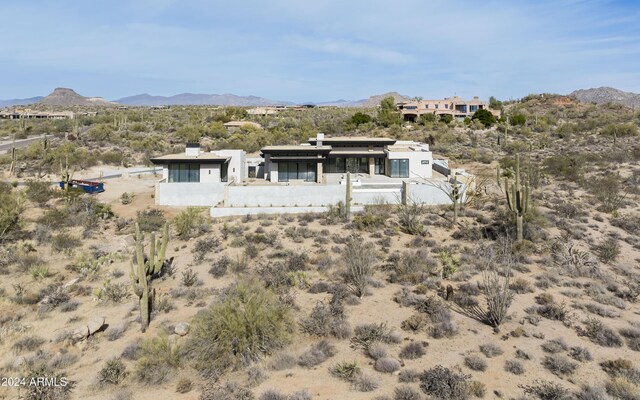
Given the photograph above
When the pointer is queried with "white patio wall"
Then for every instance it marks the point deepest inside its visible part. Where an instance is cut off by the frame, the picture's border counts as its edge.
(189, 194)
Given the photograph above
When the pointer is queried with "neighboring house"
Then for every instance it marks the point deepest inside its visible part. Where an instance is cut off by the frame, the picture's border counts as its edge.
(454, 106)
(31, 114)
(233, 126)
(195, 166)
(312, 161)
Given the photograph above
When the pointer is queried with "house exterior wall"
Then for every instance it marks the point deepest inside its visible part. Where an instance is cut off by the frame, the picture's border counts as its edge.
(237, 164)
(191, 194)
(209, 173)
(420, 162)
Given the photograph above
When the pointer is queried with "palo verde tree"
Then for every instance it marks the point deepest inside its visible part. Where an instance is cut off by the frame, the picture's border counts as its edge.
(146, 268)
(517, 199)
(387, 114)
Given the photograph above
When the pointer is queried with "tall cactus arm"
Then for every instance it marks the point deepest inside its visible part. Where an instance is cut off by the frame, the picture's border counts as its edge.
(133, 277)
(160, 258)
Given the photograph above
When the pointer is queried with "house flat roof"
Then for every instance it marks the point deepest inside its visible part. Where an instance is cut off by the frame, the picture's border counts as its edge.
(211, 158)
(352, 153)
(353, 140)
(300, 147)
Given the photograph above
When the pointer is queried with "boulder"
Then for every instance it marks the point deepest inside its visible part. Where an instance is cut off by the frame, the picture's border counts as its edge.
(181, 329)
(80, 333)
(95, 324)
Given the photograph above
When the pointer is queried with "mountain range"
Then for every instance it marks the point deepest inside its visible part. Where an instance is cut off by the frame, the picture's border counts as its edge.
(607, 95)
(68, 97)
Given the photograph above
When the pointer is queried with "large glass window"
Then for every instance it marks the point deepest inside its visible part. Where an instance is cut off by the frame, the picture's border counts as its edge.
(296, 170)
(184, 172)
(399, 168)
(379, 168)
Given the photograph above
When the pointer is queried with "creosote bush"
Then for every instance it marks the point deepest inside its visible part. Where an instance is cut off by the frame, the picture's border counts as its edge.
(249, 323)
(443, 383)
(113, 372)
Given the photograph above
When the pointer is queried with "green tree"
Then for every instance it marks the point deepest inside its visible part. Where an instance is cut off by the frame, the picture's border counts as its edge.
(485, 116)
(427, 118)
(494, 103)
(387, 114)
(11, 208)
(446, 118)
(360, 118)
(518, 119)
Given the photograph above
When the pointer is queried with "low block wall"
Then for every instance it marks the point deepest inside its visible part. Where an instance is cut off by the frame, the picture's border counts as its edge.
(217, 212)
(189, 194)
(284, 196)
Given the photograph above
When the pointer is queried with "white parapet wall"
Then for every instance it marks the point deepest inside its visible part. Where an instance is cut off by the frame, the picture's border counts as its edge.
(284, 196)
(194, 194)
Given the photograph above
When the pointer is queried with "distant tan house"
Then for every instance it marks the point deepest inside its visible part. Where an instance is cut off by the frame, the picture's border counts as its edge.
(454, 106)
(264, 111)
(233, 126)
(32, 114)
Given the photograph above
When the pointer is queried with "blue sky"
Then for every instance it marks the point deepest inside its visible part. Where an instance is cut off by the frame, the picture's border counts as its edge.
(318, 50)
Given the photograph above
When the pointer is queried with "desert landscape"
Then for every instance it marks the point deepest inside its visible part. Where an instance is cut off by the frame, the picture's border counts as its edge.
(397, 302)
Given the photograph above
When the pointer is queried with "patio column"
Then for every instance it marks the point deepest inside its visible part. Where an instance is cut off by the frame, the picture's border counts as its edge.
(319, 173)
(372, 166)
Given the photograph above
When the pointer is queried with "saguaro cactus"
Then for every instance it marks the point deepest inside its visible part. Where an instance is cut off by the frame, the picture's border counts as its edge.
(455, 199)
(145, 269)
(347, 200)
(517, 199)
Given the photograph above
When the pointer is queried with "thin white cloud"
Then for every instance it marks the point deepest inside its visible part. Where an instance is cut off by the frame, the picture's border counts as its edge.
(351, 49)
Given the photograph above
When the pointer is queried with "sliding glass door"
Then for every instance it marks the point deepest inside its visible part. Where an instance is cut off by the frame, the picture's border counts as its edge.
(184, 172)
(296, 171)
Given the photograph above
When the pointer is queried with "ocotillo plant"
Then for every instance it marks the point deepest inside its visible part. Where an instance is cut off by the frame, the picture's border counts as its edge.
(145, 269)
(517, 199)
(347, 200)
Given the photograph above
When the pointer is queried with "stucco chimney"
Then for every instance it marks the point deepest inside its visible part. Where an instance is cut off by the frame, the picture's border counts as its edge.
(192, 149)
(319, 139)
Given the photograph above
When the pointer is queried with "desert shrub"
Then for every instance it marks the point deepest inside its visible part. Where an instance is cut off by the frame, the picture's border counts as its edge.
(410, 218)
(405, 392)
(608, 191)
(559, 365)
(621, 368)
(255, 375)
(622, 389)
(567, 166)
(580, 354)
(327, 320)
(220, 266)
(46, 392)
(346, 370)
(115, 332)
(366, 334)
(39, 192)
(589, 392)
(157, 358)
(113, 292)
(131, 351)
(608, 251)
(377, 350)
(62, 361)
(547, 390)
(227, 391)
(632, 336)
(113, 372)
(189, 222)
(27, 343)
(203, 247)
(414, 323)
(410, 267)
(443, 383)
(317, 354)
(412, 351)
(513, 366)
(190, 278)
(301, 395)
(11, 208)
(369, 221)
(283, 361)
(408, 376)
(490, 350)
(521, 286)
(249, 323)
(600, 334)
(364, 382)
(555, 346)
(184, 385)
(574, 262)
(359, 258)
(126, 198)
(152, 220)
(386, 364)
(272, 394)
(475, 363)
(64, 241)
(628, 223)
